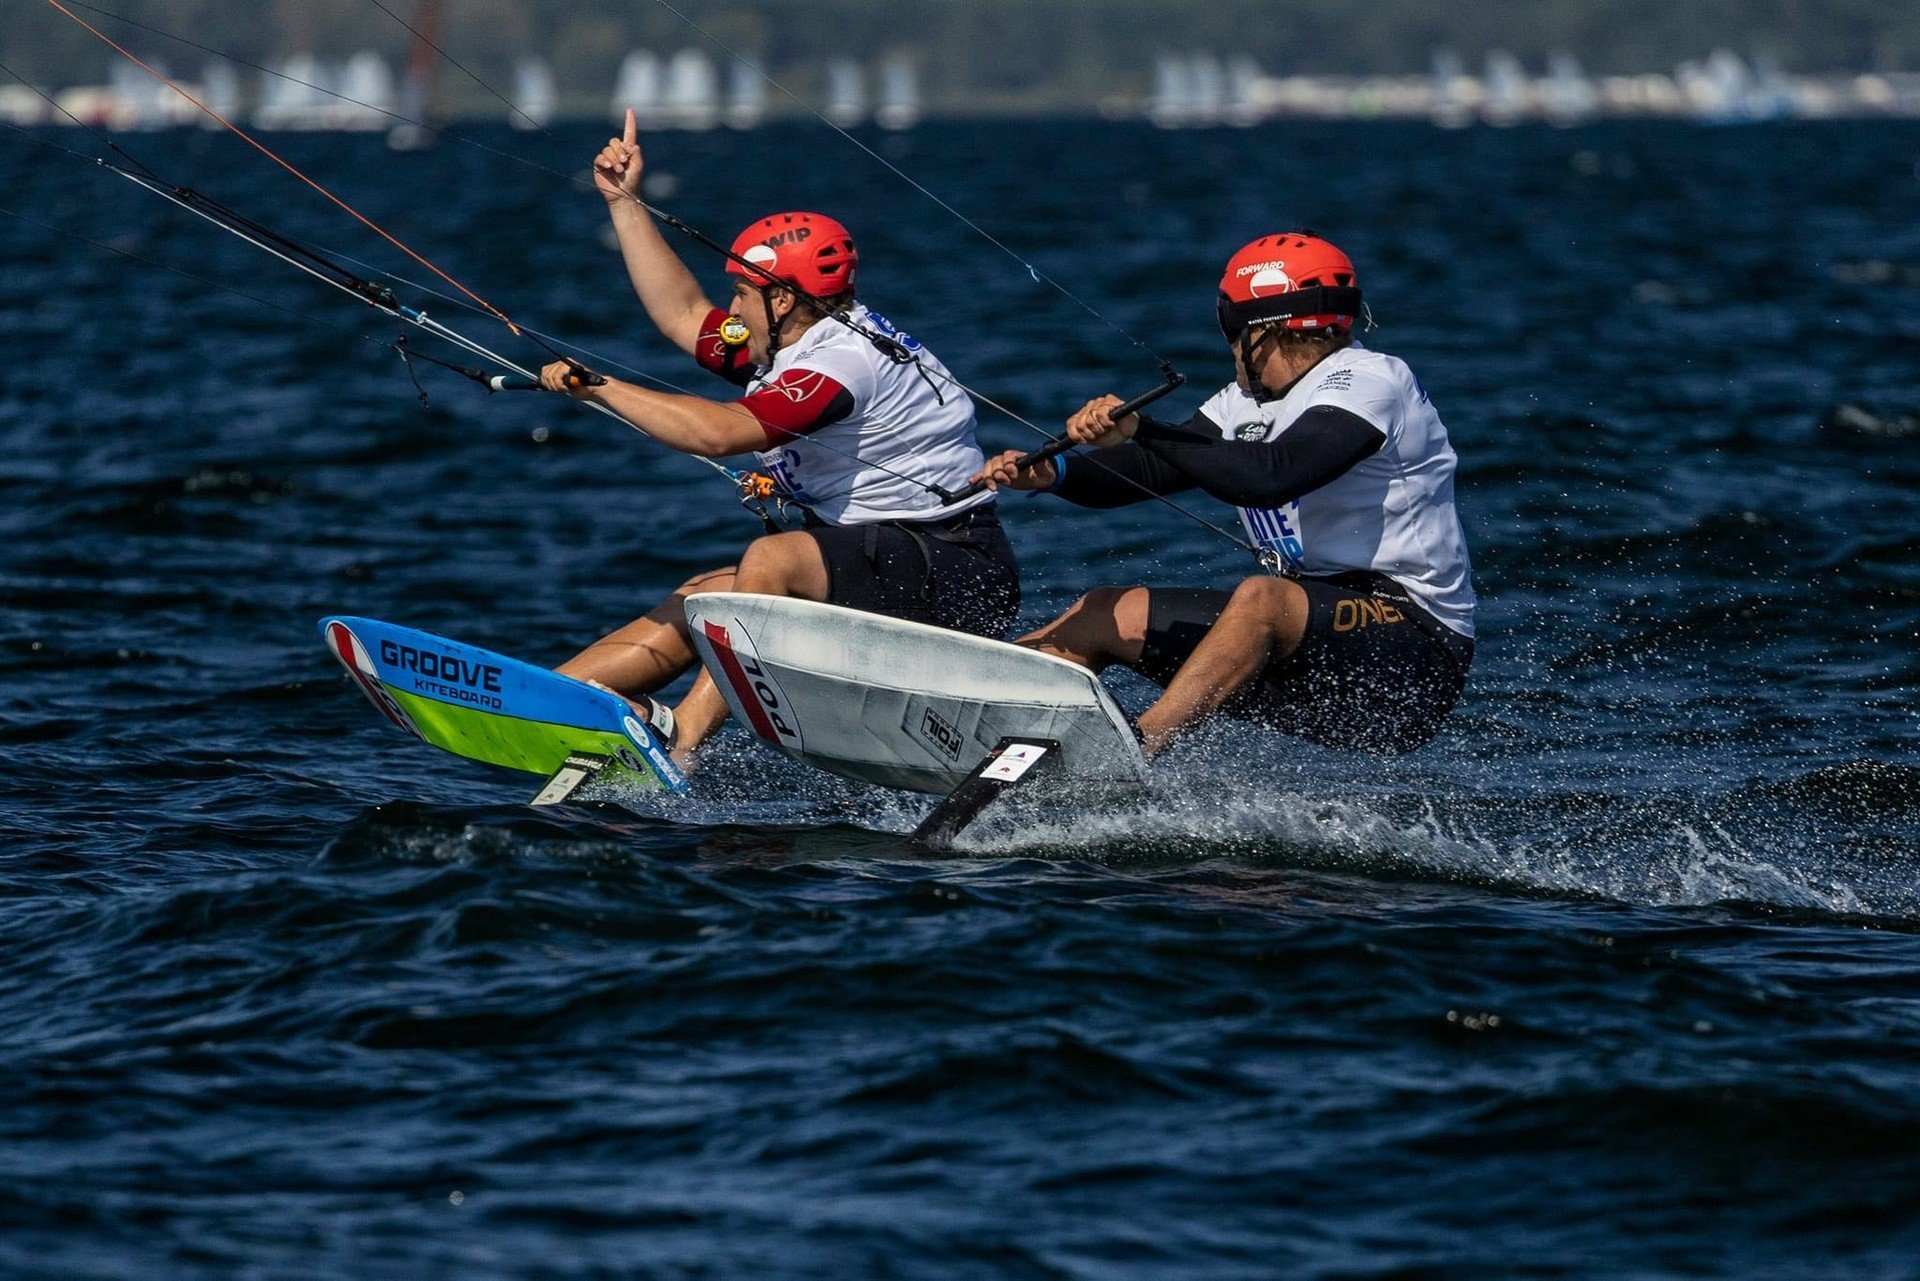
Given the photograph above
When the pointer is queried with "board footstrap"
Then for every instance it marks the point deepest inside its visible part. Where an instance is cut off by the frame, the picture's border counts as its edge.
(1012, 761)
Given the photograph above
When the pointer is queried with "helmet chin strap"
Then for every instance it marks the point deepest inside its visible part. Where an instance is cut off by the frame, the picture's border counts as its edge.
(1249, 342)
(773, 325)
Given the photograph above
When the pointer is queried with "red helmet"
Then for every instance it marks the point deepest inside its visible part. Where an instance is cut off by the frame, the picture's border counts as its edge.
(1295, 279)
(809, 251)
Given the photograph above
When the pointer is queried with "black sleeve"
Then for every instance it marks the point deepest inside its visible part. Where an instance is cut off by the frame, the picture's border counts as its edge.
(1322, 443)
(1115, 477)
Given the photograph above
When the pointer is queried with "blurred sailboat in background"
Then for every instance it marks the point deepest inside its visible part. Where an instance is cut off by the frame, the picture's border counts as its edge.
(220, 90)
(295, 95)
(746, 95)
(1567, 96)
(366, 99)
(1172, 104)
(417, 129)
(1455, 93)
(692, 96)
(1505, 103)
(899, 94)
(1206, 87)
(637, 87)
(535, 96)
(1244, 80)
(846, 93)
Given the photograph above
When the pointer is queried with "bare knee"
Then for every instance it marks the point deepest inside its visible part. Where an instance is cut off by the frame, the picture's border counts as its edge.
(712, 580)
(672, 612)
(1277, 605)
(1119, 612)
(786, 564)
(765, 560)
(1108, 624)
(1263, 592)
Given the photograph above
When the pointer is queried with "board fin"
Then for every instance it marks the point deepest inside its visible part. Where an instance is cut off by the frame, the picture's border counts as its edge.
(1013, 760)
(573, 774)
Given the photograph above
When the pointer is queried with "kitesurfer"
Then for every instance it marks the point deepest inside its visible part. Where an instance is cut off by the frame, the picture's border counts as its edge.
(859, 435)
(1343, 474)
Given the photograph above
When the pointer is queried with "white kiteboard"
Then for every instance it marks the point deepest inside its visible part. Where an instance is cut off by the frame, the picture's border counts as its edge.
(902, 704)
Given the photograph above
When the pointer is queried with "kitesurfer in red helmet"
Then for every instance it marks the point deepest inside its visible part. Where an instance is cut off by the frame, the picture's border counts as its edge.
(1361, 633)
(857, 426)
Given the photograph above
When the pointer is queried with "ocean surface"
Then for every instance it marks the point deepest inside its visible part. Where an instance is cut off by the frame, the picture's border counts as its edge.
(1618, 978)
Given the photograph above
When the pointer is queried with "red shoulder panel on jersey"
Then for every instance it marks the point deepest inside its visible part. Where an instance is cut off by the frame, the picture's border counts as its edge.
(797, 402)
(717, 357)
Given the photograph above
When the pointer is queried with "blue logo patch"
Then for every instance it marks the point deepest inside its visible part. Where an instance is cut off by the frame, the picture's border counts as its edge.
(886, 329)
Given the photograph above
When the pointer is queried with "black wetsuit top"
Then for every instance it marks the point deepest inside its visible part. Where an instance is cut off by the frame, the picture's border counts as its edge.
(1321, 445)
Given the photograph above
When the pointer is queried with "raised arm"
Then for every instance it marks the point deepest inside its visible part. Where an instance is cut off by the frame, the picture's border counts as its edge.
(673, 298)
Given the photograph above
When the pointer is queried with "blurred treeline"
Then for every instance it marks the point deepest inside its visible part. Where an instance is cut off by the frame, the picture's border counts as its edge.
(1005, 51)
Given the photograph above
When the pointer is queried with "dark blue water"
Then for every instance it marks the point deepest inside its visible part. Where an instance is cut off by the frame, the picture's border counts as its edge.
(1621, 977)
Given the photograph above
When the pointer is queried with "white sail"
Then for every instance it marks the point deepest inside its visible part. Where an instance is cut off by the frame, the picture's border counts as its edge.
(296, 97)
(746, 95)
(692, 97)
(1246, 104)
(1569, 97)
(846, 93)
(535, 95)
(220, 90)
(638, 87)
(20, 105)
(1506, 99)
(133, 104)
(1207, 89)
(899, 94)
(1455, 93)
(1172, 105)
(367, 93)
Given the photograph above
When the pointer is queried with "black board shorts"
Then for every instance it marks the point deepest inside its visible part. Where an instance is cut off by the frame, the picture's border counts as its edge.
(1373, 673)
(957, 573)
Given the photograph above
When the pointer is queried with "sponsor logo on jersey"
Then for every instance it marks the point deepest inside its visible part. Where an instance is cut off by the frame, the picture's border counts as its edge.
(1338, 380)
(1255, 430)
(1278, 530)
(761, 698)
(797, 384)
(784, 468)
(889, 329)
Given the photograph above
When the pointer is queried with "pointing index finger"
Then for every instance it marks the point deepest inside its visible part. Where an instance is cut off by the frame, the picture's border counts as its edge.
(632, 133)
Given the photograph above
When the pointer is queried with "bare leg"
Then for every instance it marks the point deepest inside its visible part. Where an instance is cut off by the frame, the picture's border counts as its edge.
(1107, 625)
(648, 652)
(1263, 622)
(777, 565)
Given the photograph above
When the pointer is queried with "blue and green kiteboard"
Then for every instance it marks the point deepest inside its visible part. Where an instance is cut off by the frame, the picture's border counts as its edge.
(487, 707)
